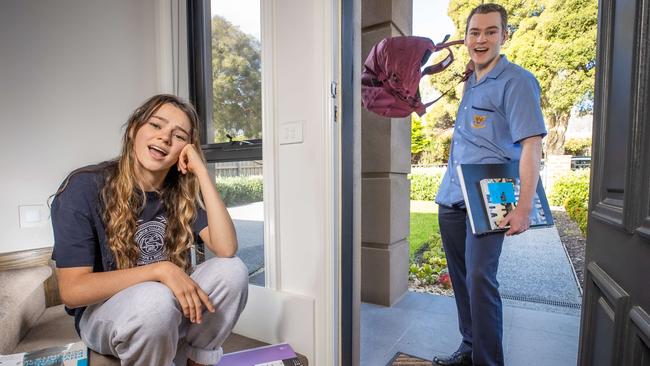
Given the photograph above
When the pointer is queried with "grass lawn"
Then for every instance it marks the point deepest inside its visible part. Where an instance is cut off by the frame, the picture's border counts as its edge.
(424, 222)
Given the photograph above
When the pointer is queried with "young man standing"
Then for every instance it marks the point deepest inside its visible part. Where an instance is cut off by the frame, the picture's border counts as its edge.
(499, 120)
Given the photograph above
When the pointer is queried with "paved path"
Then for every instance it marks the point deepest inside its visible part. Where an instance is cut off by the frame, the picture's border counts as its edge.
(249, 224)
(535, 269)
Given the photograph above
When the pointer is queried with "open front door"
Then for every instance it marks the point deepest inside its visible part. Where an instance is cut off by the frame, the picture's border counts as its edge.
(615, 326)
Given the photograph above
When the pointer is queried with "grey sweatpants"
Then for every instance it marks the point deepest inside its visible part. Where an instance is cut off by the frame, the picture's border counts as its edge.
(144, 324)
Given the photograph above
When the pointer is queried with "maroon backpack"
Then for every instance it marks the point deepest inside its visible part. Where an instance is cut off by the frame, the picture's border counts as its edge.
(391, 74)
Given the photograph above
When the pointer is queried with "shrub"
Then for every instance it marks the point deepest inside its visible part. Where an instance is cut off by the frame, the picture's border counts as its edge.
(578, 212)
(424, 187)
(572, 192)
(240, 190)
(572, 185)
(577, 146)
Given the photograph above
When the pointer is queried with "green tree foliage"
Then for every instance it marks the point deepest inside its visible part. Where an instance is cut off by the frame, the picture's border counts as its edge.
(439, 147)
(236, 82)
(418, 140)
(554, 39)
(559, 47)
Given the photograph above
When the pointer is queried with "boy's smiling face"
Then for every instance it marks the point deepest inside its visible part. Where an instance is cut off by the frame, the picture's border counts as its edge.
(484, 39)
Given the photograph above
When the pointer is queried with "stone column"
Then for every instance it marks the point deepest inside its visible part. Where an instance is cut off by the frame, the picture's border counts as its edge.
(386, 161)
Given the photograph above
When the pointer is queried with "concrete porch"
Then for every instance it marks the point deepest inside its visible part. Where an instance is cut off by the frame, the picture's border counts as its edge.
(425, 325)
(541, 299)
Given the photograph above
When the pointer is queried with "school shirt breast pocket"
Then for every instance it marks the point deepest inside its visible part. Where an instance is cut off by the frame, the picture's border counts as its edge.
(482, 121)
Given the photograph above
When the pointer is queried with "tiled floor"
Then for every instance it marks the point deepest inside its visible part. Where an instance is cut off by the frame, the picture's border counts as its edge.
(425, 325)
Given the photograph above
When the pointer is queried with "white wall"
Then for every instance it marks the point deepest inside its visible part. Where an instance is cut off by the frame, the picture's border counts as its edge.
(71, 71)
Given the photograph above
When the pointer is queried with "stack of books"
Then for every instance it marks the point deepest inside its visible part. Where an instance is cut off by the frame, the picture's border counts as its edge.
(491, 191)
(73, 354)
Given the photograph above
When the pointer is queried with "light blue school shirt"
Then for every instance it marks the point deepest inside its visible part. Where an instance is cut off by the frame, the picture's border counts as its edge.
(495, 114)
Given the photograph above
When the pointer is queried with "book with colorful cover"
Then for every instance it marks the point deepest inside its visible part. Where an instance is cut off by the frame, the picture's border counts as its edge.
(272, 355)
(491, 191)
(72, 354)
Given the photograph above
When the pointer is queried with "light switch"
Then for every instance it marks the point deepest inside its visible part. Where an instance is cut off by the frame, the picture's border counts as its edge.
(32, 215)
(291, 133)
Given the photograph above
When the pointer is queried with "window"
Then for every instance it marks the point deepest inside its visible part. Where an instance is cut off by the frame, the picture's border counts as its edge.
(226, 87)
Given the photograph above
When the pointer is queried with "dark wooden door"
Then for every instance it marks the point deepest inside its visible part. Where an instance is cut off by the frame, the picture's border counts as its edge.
(615, 327)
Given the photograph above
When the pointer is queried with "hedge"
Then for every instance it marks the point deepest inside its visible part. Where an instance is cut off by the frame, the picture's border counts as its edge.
(577, 146)
(240, 190)
(572, 185)
(424, 187)
(578, 212)
(572, 192)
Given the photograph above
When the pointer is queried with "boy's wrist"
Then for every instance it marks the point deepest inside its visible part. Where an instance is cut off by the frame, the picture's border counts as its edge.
(524, 207)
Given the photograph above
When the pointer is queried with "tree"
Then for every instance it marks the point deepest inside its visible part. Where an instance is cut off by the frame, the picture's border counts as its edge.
(556, 41)
(418, 141)
(236, 82)
(559, 47)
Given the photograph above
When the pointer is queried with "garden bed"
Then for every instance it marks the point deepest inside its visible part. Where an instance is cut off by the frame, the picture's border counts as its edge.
(572, 240)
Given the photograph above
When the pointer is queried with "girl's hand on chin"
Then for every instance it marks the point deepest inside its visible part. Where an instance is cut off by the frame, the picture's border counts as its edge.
(190, 161)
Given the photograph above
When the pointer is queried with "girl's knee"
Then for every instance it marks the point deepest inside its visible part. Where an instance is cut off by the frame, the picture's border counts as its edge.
(154, 302)
(235, 274)
(229, 272)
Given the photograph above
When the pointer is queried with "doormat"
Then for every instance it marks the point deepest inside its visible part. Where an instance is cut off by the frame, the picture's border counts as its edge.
(403, 359)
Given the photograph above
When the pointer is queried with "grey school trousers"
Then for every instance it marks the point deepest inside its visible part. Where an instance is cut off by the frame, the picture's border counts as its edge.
(144, 324)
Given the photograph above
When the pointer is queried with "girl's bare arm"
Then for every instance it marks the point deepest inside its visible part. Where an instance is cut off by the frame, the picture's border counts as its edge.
(220, 235)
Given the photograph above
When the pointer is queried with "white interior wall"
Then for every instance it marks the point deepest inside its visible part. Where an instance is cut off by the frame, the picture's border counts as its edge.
(71, 71)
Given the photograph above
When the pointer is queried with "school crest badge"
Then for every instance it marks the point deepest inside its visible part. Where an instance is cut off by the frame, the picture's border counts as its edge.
(478, 121)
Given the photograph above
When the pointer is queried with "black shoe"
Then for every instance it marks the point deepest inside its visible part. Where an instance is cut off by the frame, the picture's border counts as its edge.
(456, 359)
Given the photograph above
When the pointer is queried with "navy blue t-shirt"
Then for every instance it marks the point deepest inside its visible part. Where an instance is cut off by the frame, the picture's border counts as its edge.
(80, 237)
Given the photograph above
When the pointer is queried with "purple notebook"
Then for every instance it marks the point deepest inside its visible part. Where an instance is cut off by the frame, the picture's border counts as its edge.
(254, 356)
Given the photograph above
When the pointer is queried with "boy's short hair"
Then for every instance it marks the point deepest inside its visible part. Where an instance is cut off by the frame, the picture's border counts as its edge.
(489, 8)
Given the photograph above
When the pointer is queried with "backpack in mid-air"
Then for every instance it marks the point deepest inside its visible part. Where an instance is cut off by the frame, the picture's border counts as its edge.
(391, 74)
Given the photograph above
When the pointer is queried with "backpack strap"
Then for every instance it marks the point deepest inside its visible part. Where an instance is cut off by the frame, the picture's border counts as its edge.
(440, 66)
(469, 69)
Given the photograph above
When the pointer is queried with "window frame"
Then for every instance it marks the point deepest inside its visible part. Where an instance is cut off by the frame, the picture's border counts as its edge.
(199, 45)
